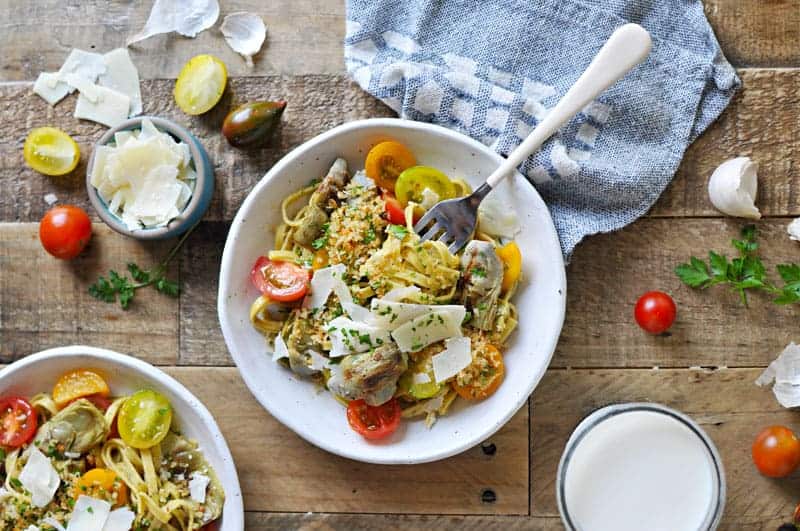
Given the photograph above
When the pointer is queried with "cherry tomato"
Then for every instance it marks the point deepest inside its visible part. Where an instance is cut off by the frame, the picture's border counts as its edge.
(78, 384)
(374, 422)
(320, 260)
(655, 312)
(104, 484)
(51, 151)
(211, 526)
(386, 161)
(144, 419)
(64, 231)
(280, 281)
(776, 452)
(413, 181)
(394, 211)
(483, 376)
(512, 264)
(100, 402)
(18, 422)
(200, 84)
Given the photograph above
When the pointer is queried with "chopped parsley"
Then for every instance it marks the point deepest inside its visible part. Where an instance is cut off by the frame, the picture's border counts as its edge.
(369, 235)
(398, 231)
(479, 272)
(322, 241)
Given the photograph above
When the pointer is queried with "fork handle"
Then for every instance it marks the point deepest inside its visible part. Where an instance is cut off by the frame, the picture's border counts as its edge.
(628, 46)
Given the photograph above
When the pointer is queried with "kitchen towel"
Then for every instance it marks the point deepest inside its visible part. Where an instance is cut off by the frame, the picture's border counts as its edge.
(492, 69)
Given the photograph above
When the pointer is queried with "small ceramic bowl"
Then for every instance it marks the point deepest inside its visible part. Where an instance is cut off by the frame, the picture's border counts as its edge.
(125, 374)
(195, 208)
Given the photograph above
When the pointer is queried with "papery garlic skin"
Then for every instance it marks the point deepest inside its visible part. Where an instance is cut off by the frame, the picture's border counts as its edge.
(733, 187)
(794, 230)
(187, 17)
(245, 33)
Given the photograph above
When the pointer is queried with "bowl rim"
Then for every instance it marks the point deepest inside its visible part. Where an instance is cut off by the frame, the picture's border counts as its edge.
(161, 378)
(228, 327)
(204, 179)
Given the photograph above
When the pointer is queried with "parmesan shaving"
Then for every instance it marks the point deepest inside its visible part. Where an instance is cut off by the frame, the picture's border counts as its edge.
(785, 372)
(348, 336)
(452, 360)
(428, 328)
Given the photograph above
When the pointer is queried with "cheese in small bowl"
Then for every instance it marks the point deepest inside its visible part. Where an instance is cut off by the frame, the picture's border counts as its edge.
(149, 178)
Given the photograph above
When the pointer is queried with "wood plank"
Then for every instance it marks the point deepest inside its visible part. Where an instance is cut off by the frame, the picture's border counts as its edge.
(726, 403)
(757, 32)
(279, 471)
(303, 37)
(259, 521)
(760, 123)
(609, 272)
(316, 104)
(44, 301)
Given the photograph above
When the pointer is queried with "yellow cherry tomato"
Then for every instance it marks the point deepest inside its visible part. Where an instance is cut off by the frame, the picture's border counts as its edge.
(200, 84)
(413, 181)
(78, 384)
(483, 376)
(104, 484)
(51, 151)
(512, 264)
(386, 161)
(320, 259)
(144, 419)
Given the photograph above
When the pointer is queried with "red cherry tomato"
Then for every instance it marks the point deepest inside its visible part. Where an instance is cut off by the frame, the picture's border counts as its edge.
(374, 422)
(64, 231)
(394, 211)
(655, 312)
(100, 402)
(776, 451)
(280, 281)
(211, 526)
(18, 422)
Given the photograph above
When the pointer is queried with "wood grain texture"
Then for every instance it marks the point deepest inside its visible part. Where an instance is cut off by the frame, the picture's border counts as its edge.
(757, 32)
(726, 404)
(279, 471)
(303, 37)
(257, 521)
(44, 301)
(609, 272)
(760, 123)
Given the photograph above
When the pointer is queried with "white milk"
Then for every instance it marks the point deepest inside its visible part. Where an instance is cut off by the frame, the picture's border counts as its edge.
(640, 469)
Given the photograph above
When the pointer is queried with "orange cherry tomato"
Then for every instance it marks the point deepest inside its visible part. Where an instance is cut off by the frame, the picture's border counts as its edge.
(64, 231)
(18, 422)
(320, 260)
(386, 161)
(279, 280)
(104, 484)
(483, 376)
(374, 422)
(77, 384)
(776, 452)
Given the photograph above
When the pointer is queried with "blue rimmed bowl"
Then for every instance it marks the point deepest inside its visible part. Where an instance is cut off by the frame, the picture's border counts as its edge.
(194, 209)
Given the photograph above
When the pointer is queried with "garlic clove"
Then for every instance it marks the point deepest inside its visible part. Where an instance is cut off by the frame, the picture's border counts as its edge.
(245, 33)
(794, 230)
(733, 186)
(187, 17)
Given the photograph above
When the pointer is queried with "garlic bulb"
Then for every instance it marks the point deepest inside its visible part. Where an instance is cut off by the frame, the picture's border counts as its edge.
(733, 186)
(245, 33)
(794, 230)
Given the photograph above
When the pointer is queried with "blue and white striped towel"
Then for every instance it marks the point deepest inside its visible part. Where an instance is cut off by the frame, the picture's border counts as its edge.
(492, 69)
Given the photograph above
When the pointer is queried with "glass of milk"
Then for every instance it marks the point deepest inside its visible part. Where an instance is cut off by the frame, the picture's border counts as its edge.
(640, 466)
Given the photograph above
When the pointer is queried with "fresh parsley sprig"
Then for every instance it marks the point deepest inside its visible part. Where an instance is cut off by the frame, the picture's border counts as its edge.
(123, 287)
(743, 273)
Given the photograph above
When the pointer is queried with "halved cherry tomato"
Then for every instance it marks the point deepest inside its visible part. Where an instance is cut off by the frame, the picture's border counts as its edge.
(18, 422)
(374, 422)
(320, 260)
(386, 161)
(483, 376)
(280, 281)
(144, 419)
(655, 312)
(211, 526)
(413, 181)
(78, 384)
(512, 264)
(394, 211)
(100, 402)
(64, 231)
(104, 484)
(776, 452)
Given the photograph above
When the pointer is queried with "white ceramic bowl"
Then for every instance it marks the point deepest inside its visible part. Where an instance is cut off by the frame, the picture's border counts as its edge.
(317, 416)
(125, 374)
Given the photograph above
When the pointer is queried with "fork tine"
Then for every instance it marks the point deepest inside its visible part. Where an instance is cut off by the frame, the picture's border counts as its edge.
(456, 246)
(433, 231)
(424, 221)
(445, 237)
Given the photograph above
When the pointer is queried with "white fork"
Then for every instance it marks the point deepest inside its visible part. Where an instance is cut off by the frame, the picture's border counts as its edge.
(454, 220)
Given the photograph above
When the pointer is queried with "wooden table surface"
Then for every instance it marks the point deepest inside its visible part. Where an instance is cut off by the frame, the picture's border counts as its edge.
(705, 367)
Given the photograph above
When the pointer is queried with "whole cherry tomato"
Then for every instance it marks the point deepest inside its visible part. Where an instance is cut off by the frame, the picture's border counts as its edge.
(776, 451)
(655, 312)
(64, 231)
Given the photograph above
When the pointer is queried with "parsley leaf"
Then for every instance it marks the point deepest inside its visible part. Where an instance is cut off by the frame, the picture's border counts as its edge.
(369, 235)
(322, 241)
(743, 273)
(398, 231)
